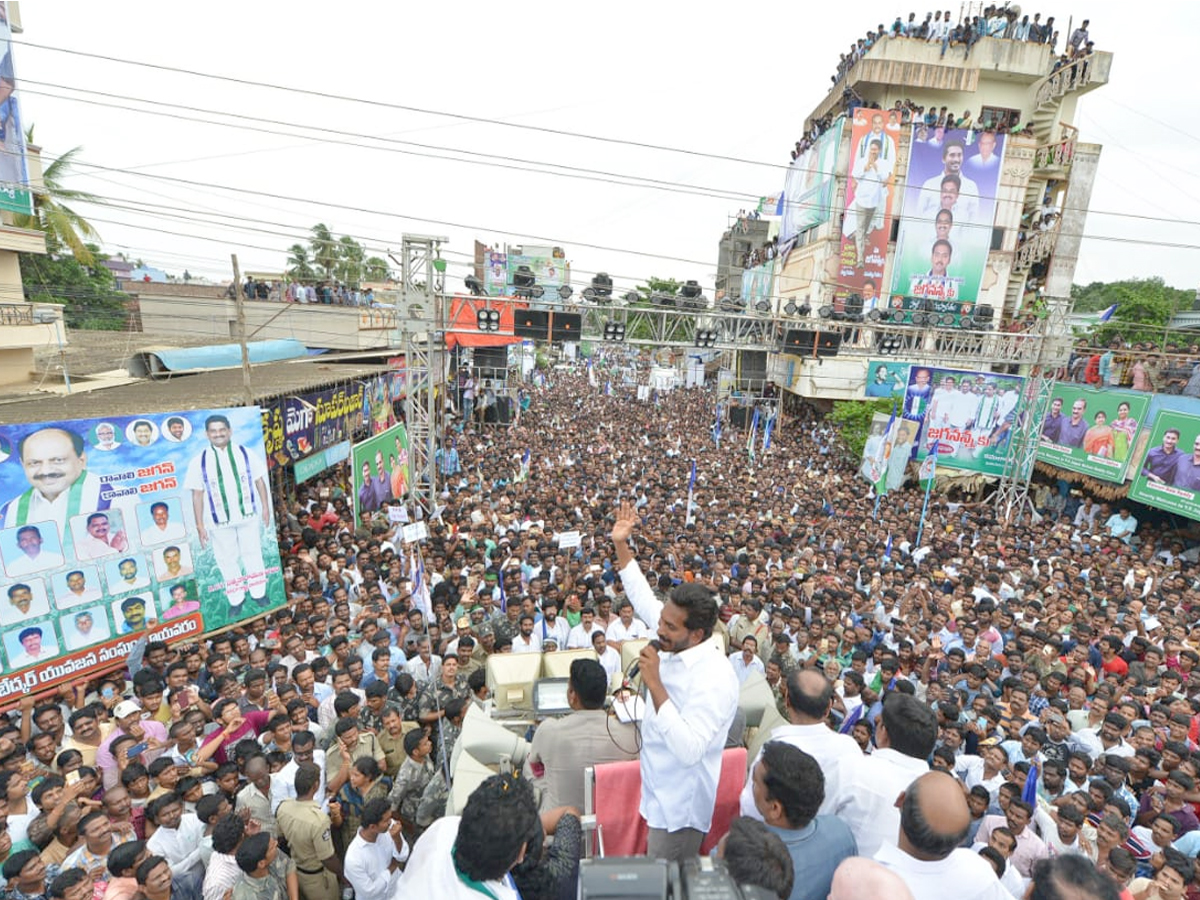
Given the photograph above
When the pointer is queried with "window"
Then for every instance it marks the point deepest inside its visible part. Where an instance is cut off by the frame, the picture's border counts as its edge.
(995, 116)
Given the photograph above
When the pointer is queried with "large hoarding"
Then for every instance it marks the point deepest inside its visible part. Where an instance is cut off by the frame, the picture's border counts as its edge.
(106, 524)
(870, 187)
(808, 187)
(1169, 475)
(886, 379)
(381, 470)
(296, 427)
(946, 230)
(15, 195)
(1092, 432)
(969, 416)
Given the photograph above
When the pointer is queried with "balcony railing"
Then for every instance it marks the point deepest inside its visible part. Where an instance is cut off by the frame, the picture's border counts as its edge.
(1035, 249)
(1067, 79)
(1060, 154)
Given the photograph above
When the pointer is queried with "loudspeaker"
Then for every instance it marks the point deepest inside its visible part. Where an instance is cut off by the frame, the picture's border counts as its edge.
(854, 306)
(829, 343)
(801, 343)
(532, 323)
(566, 326)
(737, 416)
(754, 365)
(984, 314)
(491, 358)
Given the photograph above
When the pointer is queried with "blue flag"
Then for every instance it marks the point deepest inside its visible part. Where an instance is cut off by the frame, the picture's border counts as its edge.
(850, 720)
(1029, 792)
(503, 596)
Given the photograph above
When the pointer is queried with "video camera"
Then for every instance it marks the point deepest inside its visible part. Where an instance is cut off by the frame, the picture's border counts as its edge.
(639, 878)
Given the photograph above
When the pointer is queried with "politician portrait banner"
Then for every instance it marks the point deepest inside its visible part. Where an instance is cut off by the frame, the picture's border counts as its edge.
(808, 187)
(757, 283)
(885, 379)
(969, 416)
(867, 224)
(1169, 477)
(107, 524)
(15, 195)
(946, 227)
(381, 471)
(1092, 432)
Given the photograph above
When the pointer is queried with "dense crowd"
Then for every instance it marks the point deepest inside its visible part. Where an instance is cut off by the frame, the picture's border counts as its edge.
(1000, 704)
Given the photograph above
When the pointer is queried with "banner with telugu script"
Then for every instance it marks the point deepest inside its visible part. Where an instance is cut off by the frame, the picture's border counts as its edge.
(298, 426)
(1169, 476)
(107, 524)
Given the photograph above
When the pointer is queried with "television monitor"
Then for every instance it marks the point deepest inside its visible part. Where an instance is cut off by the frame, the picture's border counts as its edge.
(510, 677)
(550, 697)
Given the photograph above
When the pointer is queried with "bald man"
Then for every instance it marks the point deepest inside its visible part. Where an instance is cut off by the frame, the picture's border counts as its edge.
(859, 878)
(933, 822)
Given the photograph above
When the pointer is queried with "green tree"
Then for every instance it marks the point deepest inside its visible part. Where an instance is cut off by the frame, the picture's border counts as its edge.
(299, 265)
(1144, 307)
(375, 268)
(87, 292)
(324, 249)
(655, 285)
(349, 267)
(852, 419)
(1100, 295)
(53, 216)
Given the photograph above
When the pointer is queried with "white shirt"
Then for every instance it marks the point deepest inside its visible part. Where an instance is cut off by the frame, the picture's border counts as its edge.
(969, 768)
(533, 645)
(741, 668)
(559, 630)
(88, 547)
(228, 508)
(423, 673)
(610, 659)
(837, 754)
(222, 874)
(683, 740)
(871, 792)
(70, 598)
(25, 564)
(431, 873)
(155, 535)
(581, 638)
(618, 632)
(56, 510)
(283, 782)
(962, 875)
(180, 846)
(366, 866)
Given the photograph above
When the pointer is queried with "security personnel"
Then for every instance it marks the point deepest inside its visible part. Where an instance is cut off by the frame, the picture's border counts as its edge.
(309, 835)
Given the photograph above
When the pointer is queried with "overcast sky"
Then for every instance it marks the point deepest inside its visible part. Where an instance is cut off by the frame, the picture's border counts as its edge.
(732, 81)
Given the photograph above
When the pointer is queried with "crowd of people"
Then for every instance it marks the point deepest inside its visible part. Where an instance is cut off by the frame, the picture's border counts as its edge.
(1000, 705)
(1170, 368)
(999, 22)
(326, 293)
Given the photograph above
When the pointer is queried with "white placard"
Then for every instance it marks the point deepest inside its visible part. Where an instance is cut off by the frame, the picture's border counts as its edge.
(397, 514)
(568, 539)
(415, 532)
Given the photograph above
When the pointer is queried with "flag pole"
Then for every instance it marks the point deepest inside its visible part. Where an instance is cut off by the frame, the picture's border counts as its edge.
(925, 503)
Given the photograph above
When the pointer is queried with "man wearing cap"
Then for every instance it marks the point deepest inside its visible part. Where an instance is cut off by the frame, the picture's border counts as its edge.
(130, 719)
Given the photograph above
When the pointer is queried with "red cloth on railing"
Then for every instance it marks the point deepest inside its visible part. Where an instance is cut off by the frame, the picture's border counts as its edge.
(618, 795)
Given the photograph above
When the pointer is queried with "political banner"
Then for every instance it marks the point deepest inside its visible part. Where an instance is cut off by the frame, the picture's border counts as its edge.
(298, 426)
(495, 273)
(1092, 432)
(885, 379)
(381, 471)
(1169, 477)
(946, 229)
(15, 195)
(312, 466)
(888, 448)
(109, 524)
(808, 187)
(757, 283)
(867, 224)
(969, 416)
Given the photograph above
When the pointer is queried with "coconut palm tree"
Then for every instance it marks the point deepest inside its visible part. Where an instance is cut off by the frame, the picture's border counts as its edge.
(299, 265)
(324, 248)
(51, 214)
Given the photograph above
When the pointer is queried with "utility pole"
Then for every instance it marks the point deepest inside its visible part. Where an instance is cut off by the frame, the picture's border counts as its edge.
(240, 301)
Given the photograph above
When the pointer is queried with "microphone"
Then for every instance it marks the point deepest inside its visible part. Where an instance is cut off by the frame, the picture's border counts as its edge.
(633, 670)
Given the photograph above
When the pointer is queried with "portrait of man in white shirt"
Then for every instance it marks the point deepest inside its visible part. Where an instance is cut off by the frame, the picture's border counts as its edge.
(84, 628)
(24, 601)
(98, 534)
(162, 521)
(77, 587)
(126, 574)
(31, 548)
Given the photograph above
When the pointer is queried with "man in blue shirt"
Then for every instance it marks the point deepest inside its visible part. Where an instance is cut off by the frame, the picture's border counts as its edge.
(789, 788)
(1187, 469)
(1161, 461)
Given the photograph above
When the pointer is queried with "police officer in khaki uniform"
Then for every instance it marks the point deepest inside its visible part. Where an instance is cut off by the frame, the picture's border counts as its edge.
(309, 835)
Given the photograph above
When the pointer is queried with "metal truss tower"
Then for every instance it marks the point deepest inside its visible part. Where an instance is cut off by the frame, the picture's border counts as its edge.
(1053, 351)
(421, 319)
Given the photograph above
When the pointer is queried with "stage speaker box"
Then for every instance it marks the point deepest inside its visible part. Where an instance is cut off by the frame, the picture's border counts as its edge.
(829, 343)
(801, 343)
(566, 326)
(503, 408)
(491, 360)
(753, 365)
(737, 416)
(532, 323)
(984, 313)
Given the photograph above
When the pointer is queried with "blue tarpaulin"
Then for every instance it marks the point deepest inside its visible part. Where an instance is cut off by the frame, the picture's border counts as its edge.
(176, 360)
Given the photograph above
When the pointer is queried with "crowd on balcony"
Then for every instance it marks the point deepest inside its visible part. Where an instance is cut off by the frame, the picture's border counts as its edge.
(1000, 22)
(1166, 368)
(324, 293)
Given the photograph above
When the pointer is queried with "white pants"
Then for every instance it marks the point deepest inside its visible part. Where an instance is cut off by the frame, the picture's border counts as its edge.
(238, 550)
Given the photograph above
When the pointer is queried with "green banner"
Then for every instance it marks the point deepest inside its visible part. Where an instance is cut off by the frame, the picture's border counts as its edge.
(381, 472)
(312, 466)
(1092, 432)
(1169, 477)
